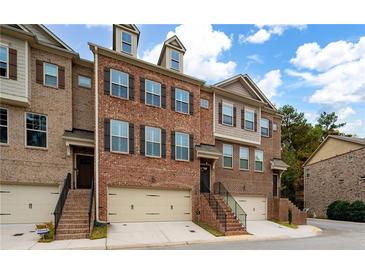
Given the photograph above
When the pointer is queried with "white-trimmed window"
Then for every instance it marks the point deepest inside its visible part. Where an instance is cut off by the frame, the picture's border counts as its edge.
(181, 100)
(4, 61)
(204, 103)
(4, 126)
(274, 127)
(244, 158)
(119, 136)
(175, 60)
(126, 42)
(119, 83)
(264, 127)
(50, 72)
(249, 119)
(153, 93)
(153, 142)
(227, 114)
(84, 81)
(36, 130)
(259, 160)
(181, 146)
(227, 156)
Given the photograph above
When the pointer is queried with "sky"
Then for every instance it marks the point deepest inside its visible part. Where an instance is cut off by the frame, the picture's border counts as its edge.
(314, 68)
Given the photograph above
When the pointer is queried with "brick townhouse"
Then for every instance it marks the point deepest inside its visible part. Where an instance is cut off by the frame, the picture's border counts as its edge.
(120, 139)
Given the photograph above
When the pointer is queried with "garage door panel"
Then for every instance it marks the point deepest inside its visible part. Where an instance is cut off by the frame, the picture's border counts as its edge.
(255, 207)
(27, 204)
(138, 205)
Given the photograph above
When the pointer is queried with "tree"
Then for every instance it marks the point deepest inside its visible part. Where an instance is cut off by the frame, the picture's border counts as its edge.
(327, 122)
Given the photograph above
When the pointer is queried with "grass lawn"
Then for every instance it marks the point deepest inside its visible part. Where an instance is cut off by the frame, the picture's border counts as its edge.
(210, 229)
(286, 224)
(99, 232)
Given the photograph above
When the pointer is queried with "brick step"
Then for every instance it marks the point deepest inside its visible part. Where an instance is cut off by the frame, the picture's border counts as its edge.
(234, 227)
(73, 221)
(72, 230)
(76, 207)
(72, 236)
(234, 233)
(72, 226)
(75, 210)
(65, 217)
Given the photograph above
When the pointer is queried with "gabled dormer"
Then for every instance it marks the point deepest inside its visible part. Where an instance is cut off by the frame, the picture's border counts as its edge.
(172, 54)
(125, 38)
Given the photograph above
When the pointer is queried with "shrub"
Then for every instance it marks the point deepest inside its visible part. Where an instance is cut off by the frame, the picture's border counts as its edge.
(49, 237)
(345, 211)
(290, 216)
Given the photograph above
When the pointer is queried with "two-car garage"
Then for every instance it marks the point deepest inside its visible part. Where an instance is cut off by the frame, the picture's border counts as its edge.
(148, 205)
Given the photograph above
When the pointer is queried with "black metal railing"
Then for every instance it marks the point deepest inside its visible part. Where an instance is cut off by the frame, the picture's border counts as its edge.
(231, 202)
(61, 200)
(91, 206)
(217, 209)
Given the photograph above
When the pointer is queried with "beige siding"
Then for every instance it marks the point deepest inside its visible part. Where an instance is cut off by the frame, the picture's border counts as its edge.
(42, 36)
(238, 88)
(235, 133)
(167, 59)
(331, 148)
(16, 90)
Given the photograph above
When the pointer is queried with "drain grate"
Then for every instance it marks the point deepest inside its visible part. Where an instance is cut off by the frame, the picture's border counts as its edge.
(32, 231)
(187, 226)
(18, 234)
(192, 231)
(124, 224)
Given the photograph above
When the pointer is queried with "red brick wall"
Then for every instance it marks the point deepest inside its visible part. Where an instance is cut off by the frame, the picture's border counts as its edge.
(137, 170)
(206, 120)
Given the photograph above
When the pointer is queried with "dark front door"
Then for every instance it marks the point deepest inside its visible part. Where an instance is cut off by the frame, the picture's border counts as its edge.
(275, 185)
(204, 178)
(85, 171)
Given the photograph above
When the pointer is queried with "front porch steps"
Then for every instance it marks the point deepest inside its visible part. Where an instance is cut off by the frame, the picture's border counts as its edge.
(74, 222)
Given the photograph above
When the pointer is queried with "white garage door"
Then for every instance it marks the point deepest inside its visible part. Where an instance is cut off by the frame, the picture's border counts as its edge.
(143, 205)
(27, 204)
(255, 207)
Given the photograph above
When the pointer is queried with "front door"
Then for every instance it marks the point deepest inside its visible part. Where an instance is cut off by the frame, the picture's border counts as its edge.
(204, 178)
(85, 171)
(275, 185)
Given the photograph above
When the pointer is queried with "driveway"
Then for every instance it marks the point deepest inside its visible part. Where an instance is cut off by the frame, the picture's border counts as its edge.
(129, 235)
(25, 239)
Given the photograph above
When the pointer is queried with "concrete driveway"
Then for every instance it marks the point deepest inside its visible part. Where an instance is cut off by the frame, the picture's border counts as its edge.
(26, 236)
(129, 235)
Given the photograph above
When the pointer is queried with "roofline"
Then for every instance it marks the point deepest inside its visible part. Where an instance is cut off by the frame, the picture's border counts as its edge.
(145, 64)
(55, 37)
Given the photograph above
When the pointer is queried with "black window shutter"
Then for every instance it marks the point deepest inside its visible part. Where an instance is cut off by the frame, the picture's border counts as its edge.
(163, 96)
(191, 147)
(270, 128)
(13, 71)
(131, 138)
(107, 81)
(142, 138)
(220, 112)
(234, 116)
(255, 124)
(172, 98)
(173, 145)
(61, 77)
(107, 134)
(131, 87)
(243, 118)
(191, 103)
(163, 143)
(142, 89)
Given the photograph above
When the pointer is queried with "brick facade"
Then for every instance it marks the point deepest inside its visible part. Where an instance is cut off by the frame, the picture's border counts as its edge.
(337, 178)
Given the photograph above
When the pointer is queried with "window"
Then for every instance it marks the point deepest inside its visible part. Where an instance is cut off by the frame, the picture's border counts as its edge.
(84, 81)
(119, 136)
(181, 146)
(181, 100)
(264, 127)
(259, 160)
(50, 75)
(153, 142)
(153, 93)
(249, 119)
(274, 127)
(120, 83)
(227, 114)
(227, 156)
(36, 130)
(4, 126)
(127, 42)
(204, 103)
(4, 61)
(244, 158)
(175, 60)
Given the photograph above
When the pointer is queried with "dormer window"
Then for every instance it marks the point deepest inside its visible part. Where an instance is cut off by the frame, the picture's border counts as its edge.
(175, 60)
(126, 42)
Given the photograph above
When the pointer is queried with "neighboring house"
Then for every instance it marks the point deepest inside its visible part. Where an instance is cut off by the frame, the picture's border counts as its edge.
(335, 171)
(164, 141)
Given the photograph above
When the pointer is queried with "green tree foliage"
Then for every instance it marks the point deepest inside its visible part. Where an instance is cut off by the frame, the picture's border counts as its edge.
(327, 123)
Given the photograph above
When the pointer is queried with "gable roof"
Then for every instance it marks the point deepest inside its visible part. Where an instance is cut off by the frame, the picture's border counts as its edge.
(173, 42)
(247, 85)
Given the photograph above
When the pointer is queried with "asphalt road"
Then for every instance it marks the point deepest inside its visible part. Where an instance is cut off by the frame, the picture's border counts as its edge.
(336, 235)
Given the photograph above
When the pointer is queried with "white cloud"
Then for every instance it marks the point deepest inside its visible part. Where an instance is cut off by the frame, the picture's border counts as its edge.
(204, 47)
(107, 26)
(270, 83)
(352, 127)
(344, 113)
(337, 71)
(265, 32)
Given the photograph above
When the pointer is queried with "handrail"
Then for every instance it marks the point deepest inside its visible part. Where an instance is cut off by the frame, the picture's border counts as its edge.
(91, 204)
(217, 209)
(231, 202)
(61, 200)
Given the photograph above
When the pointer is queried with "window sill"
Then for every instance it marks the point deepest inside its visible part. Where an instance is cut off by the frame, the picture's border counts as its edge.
(249, 129)
(154, 157)
(228, 125)
(37, 148)
(117, 97)
(259, 171)
(184, 113)
(182, 160)
(160, 107)
(120, 152)
(266, 136)
(84, 87)
(52, 87)
(230, 168)
(4, 77)
(4, 144)
(242, 169)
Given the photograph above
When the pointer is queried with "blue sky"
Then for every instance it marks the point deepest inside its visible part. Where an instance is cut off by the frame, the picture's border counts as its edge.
(315, 68)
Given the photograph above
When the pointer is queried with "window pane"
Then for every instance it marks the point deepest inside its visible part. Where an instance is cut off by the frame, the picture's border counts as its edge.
(119, 144)
(182, 153)
(258, 166)
(249, 125)
(204, 103)
(227, 120)
(259, 155)
(3, 54)
(227, 161)
(153, 149)
(119, 128)
(120, 91)
(3, 117)
(50, 69)
(153, 134)
(227, 150)
(119, 77)
(84, 81)
(249, 116)
(175, 55)
(3, 69)
(126, 48)
(127, 37)
(182, 139)
(243, 164)
(182, 95)
(3, 135)
(175, 65)
(36, 122)
(50, 80)
(227, 110)
(244, 153)
(264, 131)
(265, 123)
(182, 107)
(36, 138)
(153, 87)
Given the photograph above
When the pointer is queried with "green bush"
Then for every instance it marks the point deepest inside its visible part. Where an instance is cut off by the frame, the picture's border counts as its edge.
(290, 216)
(345, 211)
